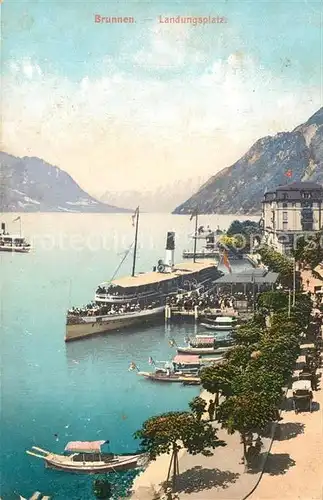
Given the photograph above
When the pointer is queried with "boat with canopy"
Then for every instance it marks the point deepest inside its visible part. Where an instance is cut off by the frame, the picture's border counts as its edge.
(87, 457)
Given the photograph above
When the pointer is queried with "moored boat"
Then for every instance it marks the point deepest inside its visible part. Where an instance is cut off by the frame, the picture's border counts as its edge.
(167, 376)
(209, 251)
(86, 457)
(222, 323)
(203, 345)
(138, 299)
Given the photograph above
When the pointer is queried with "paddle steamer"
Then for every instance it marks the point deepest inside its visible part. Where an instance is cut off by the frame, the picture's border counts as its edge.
(139, 299)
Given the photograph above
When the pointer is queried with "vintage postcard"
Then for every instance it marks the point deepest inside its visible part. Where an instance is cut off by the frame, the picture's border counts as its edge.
(161, 249)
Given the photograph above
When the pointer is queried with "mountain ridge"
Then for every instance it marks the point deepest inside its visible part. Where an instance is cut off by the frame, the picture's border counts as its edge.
(239, 188)
(30, 184)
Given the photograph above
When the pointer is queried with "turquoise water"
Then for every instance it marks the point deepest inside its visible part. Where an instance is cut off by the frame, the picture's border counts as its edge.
(82, 390)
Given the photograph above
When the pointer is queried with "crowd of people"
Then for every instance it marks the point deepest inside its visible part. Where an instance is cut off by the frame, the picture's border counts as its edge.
(208, 300)
(95, 309)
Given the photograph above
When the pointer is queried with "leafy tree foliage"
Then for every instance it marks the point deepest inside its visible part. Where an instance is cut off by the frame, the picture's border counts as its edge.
(248, 334)
(274, 301)
(248, 412)
(169, 432)
(239, 357)
(217, 379)
(197, 407)
(279, 264)
(243, 233)
(309, 250)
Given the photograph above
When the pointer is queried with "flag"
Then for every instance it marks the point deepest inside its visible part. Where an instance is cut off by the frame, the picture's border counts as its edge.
(17, 218)
(193, 214)
(226, 262)
(289, 173)
(132, 367)
(133, 217)
(151, 361)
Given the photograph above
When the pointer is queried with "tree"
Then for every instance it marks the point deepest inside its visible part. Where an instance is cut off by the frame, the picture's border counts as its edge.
(309, 251)
(243, 233)
(279, 264)
(247, 334)
(170, 432)
(274, 301)
(246, 413)
(261, 381)
(217, 379)
(197, 407)
(239, 357)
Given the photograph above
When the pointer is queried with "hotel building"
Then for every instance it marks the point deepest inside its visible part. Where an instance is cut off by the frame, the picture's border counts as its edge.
(292, 211)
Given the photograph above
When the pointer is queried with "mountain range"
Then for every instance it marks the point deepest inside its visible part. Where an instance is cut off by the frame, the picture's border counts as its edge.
(272, 161)
(30, 184)
(160, 200)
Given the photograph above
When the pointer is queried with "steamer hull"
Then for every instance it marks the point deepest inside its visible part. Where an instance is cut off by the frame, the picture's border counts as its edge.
(104, 324)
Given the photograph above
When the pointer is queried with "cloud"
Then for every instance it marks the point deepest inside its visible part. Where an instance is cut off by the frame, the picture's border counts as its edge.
(169, 46)
(26, 68)
(125, 130)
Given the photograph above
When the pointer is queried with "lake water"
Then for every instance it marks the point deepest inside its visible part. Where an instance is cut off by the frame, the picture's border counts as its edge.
(82, 390)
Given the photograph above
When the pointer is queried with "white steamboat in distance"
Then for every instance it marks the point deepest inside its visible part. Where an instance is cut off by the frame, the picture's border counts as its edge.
(139, 299)
(13, 242)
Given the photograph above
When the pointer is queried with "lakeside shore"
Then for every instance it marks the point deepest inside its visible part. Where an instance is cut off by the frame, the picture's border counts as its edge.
(291, 462)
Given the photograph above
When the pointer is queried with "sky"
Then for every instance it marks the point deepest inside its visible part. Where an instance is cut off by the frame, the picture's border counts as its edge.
(132, 105)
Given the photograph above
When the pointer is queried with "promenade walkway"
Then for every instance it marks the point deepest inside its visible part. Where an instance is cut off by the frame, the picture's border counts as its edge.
(290, 467)
(299, 451)
(221, 476)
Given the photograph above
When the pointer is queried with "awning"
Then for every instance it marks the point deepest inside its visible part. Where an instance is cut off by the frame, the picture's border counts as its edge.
(203, 340)
(186, 359)
(301, 385)
(84, 446)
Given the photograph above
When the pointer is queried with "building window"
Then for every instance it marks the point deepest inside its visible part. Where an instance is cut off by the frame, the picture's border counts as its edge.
(285, 216)
(285, 196)
(285, 205)
(285, 226)
(293, 204)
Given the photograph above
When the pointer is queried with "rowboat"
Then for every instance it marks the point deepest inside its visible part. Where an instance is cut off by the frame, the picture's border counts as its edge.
(86, 457)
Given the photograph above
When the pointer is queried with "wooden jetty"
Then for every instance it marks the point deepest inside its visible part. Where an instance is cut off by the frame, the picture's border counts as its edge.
(174, 312)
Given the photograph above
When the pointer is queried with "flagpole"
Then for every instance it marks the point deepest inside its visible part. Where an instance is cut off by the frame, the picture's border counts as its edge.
(294, 281)
(20, 225)
(195, 239)
(135, 248)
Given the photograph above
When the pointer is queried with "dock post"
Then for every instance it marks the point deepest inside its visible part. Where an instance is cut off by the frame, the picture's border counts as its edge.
(196, 313)
(167, 313)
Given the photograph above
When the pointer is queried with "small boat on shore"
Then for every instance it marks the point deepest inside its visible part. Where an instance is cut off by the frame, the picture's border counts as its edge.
(86, 457)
